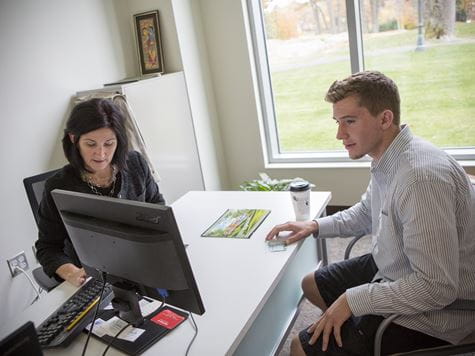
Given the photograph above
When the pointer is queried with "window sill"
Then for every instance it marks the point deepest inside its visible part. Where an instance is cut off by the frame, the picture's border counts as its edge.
(465, 157)
(304, 165)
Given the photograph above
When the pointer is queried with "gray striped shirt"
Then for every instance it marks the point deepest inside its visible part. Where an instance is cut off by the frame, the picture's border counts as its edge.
(420, 209)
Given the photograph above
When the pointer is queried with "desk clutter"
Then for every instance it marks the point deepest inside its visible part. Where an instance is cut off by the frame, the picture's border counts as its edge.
(64, 324)
(218, 333)
(76, 314)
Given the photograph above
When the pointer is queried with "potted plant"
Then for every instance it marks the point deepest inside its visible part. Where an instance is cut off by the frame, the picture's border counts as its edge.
(266, 183)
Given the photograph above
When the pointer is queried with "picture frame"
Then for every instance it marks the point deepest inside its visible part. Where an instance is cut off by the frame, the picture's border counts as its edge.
(149, 44)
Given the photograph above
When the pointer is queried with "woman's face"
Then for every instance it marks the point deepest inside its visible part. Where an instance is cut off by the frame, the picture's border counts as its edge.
(97, 148)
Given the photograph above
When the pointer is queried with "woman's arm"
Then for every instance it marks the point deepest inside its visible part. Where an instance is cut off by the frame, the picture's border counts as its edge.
(52, 235)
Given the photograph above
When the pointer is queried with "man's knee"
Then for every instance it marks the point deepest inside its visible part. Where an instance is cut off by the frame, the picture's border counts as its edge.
(311, 292)
(309, 286)
(296, 348)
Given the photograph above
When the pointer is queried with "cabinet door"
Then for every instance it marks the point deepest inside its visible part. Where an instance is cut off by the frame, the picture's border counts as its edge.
(163, 114)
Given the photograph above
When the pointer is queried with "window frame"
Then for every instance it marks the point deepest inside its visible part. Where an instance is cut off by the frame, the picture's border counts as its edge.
(274, 158)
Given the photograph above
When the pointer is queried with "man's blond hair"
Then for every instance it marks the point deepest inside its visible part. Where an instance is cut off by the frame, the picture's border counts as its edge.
(375, 91)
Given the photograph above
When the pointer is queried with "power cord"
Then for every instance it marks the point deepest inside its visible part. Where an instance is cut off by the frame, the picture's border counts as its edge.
(114, 338)
(109, 344)
(194, 336)
(36, 288)
(103, 275)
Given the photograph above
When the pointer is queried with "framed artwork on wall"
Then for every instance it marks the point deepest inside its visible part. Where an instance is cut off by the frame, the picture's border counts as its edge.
(149, 45)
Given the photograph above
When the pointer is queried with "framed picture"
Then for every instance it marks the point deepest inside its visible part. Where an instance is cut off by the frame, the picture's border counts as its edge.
(149, 44)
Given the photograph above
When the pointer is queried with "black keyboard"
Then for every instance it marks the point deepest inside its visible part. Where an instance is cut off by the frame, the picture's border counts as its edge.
(66, 322)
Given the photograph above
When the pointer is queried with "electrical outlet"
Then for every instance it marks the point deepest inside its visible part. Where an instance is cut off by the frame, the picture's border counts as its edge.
(18, 260)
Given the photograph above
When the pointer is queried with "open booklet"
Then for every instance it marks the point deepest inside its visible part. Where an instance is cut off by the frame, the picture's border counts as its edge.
(237, 223)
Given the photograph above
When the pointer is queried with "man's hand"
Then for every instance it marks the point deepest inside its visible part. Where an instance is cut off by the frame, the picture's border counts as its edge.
(331, 321)
(71, 273)
(299, 229)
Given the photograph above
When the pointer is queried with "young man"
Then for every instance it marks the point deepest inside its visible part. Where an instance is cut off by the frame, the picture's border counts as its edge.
(420, 210)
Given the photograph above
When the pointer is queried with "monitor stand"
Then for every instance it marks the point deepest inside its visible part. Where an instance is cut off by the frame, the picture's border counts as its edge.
(126, 307)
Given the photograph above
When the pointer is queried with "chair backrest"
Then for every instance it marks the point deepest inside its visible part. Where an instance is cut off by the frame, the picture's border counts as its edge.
(34, 187)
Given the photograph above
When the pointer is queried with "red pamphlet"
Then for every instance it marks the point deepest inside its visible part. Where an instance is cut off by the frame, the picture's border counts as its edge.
(168, 319)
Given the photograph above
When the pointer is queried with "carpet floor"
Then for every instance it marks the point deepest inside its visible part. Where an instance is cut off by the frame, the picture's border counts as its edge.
(308, 313)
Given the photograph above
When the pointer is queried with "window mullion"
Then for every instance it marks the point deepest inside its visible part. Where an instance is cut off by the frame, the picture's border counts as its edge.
(263, 73)
(355, 35)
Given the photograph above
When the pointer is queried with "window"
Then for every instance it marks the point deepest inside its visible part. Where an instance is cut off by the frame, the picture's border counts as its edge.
(302, 46)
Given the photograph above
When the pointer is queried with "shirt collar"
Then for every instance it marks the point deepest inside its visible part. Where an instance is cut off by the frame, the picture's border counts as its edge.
(387, 164)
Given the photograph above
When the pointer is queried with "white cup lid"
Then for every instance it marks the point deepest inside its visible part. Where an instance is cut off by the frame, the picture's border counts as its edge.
(299, 186)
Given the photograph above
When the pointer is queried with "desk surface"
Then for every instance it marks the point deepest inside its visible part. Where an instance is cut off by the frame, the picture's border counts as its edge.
(235, 276)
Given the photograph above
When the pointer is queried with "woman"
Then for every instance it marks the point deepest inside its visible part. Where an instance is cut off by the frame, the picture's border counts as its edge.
(95, 144)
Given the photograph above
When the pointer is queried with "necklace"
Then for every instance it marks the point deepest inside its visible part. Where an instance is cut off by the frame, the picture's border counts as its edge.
(95, 191)
(93, 186)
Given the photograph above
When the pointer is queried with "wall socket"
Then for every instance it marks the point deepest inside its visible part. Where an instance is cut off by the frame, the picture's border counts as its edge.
(18, 260)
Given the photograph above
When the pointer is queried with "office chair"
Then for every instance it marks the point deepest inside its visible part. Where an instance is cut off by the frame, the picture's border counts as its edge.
(466, 346)
(34, 187)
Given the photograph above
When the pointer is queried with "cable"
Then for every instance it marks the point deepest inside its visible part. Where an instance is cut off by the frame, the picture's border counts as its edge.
(163, 302)
(114, 338)
(33, 284)
(194, 336)
(95, 314)
(125, 327)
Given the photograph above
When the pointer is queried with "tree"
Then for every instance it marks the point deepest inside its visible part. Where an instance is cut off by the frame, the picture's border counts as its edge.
(374, 4)
(331, 15)
(439, 18)
(317, 12)
(399, 13)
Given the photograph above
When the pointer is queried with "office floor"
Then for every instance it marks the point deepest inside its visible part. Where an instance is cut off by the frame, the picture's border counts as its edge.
(309, 313)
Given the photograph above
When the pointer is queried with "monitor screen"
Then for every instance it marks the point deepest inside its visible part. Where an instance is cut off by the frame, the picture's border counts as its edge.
(132, 242)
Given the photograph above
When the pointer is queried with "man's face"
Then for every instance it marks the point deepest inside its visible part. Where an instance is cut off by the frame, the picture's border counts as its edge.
(360, 132)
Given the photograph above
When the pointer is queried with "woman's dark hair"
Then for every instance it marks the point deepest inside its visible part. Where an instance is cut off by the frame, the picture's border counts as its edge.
(89, 116)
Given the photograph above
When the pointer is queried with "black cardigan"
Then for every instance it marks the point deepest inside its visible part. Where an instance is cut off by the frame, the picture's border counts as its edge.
(54, 248)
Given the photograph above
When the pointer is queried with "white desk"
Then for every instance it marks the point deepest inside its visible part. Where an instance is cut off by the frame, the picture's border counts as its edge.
(250, 294)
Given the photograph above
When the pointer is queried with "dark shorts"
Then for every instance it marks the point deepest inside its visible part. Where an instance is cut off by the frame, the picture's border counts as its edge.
(358, 332)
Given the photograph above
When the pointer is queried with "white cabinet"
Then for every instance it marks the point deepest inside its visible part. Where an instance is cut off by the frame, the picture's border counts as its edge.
(161, 108)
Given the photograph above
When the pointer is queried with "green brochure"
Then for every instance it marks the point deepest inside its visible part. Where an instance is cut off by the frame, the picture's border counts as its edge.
(237, 223)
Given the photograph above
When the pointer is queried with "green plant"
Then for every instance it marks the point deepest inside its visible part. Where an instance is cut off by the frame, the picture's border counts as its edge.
(268, 184)
(388, 26)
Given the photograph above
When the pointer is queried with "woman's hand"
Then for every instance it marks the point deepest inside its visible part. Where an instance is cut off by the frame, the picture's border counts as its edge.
(71, 273)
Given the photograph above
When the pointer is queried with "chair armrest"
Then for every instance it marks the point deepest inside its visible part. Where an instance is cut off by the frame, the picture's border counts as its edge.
(44, 281)
(379, 333)
(350, 246)
(446, 350)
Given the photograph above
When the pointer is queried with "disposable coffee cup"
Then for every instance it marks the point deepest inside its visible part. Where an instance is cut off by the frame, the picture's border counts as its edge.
(300, 195)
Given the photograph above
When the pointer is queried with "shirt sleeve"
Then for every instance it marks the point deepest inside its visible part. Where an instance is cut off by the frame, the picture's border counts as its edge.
(354, 221)
(51, 236)
(152, 191)
(427, 216)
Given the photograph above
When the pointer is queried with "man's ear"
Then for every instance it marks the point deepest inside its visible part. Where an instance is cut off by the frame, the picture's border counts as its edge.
(71, 137)
(387, 118)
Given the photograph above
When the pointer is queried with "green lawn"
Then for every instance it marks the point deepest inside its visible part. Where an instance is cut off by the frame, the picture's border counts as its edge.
(437, 88)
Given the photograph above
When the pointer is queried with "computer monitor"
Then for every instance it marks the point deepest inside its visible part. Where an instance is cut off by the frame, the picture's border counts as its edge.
(137, 245)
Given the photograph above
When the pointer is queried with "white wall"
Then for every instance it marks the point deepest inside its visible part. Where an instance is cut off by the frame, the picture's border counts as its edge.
(168, 30)
(49, 50)
(224, 24)
(184, 49)
(197, 73)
